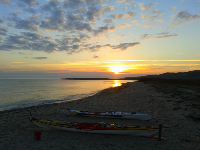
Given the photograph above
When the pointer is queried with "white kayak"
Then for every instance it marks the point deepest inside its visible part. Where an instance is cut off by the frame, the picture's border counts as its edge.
(99, 128)
(111, 114)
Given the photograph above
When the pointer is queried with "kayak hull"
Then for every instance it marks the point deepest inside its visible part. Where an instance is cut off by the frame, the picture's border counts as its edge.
(111, 114)
(137, 131)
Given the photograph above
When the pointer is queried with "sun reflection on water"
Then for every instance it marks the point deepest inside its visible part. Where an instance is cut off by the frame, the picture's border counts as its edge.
(116, 83)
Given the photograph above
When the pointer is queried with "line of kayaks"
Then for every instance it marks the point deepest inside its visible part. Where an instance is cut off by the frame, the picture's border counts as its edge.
(100, 128)
(111, 114)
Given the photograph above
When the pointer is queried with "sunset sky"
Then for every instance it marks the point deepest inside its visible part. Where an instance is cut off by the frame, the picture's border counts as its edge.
(98, 38)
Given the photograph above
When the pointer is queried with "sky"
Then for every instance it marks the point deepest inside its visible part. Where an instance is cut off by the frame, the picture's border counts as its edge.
(98, 38)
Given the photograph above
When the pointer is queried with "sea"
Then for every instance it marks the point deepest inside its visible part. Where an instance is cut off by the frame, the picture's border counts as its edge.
(20, 93)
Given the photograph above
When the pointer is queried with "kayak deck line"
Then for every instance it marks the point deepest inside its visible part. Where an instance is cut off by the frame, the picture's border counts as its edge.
(111, 114)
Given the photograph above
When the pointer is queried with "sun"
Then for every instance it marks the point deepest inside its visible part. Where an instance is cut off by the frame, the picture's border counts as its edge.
(116, 69)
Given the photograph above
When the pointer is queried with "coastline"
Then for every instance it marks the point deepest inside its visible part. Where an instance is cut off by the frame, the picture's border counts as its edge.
(177, 108)
(19, 93)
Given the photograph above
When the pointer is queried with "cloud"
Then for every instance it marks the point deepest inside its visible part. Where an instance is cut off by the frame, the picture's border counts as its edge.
(135, 22)
(151, 19)
(74, 19)
(74, 22)
(3, 31)
(147, 6)
(4, 1)
(82, 9)
(31, 36)
(39, 57)
(156, 21)
(28, 41)
(173, 8)
(151, 27)
(52, 4)
(108, 21)
(93, 13)
(73, 3)
(94, 2)
(54, 15)
(124, 25)
(147, 16)
(130, 3)
(57, 17)
(184, 16)
(130, 14)
(117, 16)
(38, 42)
(30, 10)
(158, 36)
(13, 16)
(121, 1)
(20, 4)
(28, 24)
(12, 5)
(121, 16)
(108, 8)
(124, 46)
(29, 2)
(117, 36)
(156, 11)
(103, 29)
(95, 56)
(187, 16)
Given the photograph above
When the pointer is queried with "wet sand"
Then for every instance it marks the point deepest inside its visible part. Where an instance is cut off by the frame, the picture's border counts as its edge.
(178, 108)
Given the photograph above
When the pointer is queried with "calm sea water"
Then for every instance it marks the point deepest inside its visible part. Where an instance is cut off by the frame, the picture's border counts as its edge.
(19, 93)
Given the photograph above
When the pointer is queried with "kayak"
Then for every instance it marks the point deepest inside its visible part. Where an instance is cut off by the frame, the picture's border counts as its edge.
(111, 114)
(98, 128)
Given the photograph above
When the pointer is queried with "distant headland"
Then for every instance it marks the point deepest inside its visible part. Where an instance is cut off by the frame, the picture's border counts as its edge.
(190, 78)
(190, 75)
(126, 78)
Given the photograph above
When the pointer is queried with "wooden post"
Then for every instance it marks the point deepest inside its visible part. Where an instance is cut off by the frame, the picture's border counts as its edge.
(160, 130)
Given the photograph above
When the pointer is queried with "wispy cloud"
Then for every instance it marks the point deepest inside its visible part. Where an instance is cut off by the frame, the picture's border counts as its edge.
(158, 35)
(39, 57)
(147, 16)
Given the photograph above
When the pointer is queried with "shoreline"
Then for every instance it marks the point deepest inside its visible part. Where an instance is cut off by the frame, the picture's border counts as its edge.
(177, 108)
(52, 101)
(64, 101)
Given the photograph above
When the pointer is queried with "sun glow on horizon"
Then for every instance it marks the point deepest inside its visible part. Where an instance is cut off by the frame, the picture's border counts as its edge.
(117, 69)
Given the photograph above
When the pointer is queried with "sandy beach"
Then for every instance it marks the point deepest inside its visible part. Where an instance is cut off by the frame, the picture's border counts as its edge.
(178, 108)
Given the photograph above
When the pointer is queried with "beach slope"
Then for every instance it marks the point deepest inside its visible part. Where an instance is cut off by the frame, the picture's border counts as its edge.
(177, 107)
